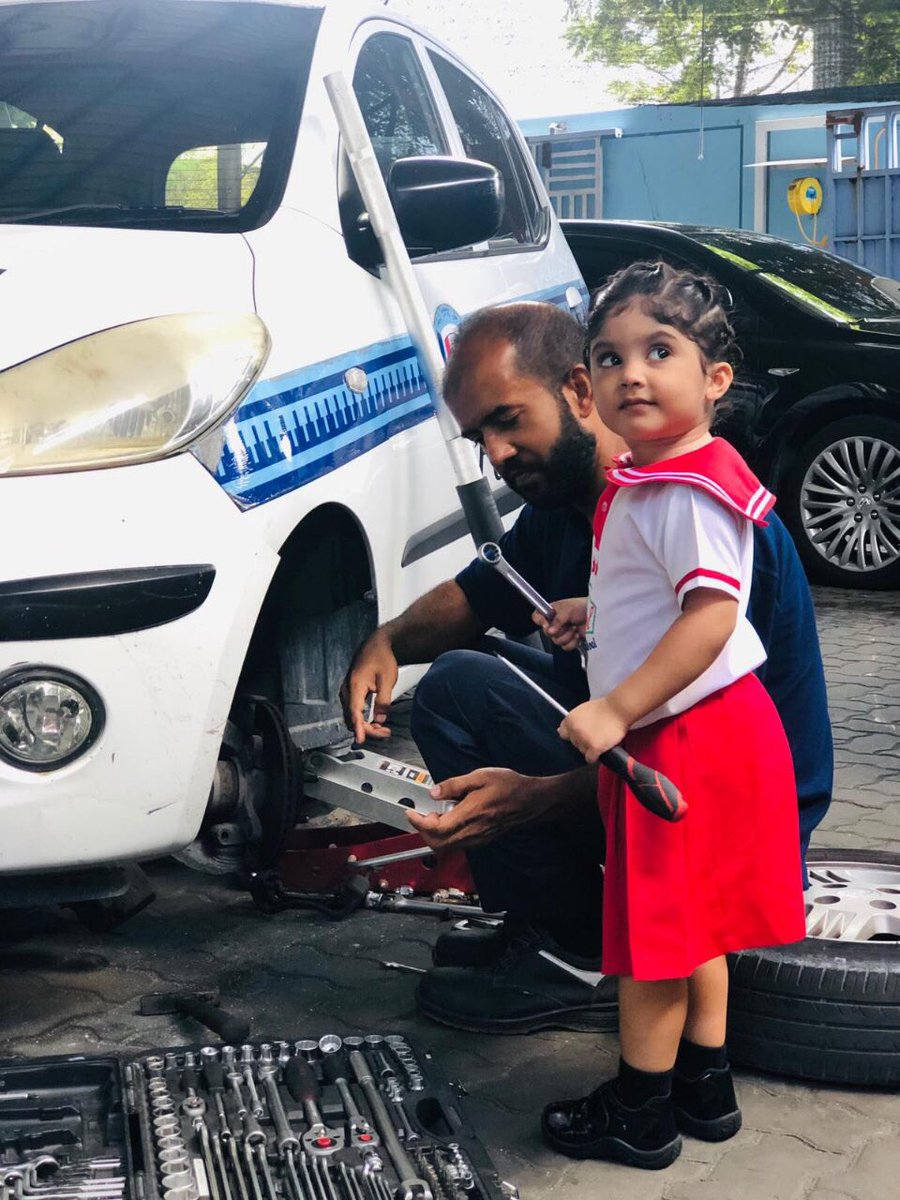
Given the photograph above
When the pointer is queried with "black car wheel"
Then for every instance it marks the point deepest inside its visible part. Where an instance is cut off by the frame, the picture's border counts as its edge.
(828, 1008)
(841, 501)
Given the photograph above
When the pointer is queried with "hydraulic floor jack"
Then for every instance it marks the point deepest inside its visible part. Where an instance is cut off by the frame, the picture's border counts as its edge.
(381, 790)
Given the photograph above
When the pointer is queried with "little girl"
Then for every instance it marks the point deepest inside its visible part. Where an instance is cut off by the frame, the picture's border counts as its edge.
(671, 664)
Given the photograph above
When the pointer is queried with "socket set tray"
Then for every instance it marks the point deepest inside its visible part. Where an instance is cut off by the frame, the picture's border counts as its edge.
(359, 1118)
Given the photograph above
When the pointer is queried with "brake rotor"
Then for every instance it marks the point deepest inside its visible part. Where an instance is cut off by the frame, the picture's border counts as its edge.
(255, 794)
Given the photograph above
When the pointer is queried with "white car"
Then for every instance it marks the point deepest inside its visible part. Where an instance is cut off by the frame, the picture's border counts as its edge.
(219, 461)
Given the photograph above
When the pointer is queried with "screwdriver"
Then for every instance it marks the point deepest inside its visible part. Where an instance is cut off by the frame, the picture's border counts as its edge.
(658, 794)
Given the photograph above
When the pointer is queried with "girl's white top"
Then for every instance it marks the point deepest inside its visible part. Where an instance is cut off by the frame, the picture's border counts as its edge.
(660, 540)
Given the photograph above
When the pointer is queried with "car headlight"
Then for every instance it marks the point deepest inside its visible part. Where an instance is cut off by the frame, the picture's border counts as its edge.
(130, 394)
(48, 717)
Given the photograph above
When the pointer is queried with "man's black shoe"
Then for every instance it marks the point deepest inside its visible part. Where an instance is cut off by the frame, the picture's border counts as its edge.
(474, 945)
(600, 1126)
(706, 1107)
(535, 985)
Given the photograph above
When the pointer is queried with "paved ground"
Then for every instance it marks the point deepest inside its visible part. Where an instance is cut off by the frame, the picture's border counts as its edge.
(64, 990)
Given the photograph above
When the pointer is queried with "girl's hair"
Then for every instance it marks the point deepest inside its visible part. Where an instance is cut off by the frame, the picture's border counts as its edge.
(693, 304)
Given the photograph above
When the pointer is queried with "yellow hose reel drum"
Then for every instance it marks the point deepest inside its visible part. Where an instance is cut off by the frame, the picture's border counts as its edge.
(804, 196)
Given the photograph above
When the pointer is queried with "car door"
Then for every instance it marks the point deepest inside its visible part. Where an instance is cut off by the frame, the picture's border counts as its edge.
(416, 99)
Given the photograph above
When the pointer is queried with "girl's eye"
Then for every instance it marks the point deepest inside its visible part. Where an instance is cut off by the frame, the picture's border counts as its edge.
(659, 352)
(607, 359)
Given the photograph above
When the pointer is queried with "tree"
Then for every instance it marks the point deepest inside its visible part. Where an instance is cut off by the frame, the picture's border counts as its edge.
(688, 49)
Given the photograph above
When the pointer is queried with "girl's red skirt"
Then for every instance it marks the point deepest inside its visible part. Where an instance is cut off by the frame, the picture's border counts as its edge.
(727, 877)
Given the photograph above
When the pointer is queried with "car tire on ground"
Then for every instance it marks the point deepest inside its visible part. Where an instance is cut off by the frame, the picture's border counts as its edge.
(841, 501)
(828, 1008)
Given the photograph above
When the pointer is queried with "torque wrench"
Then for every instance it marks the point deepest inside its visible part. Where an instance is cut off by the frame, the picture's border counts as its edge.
(490, 553)
(651, 788)
(335, 1068)
(410, 1187)
(303, 1086)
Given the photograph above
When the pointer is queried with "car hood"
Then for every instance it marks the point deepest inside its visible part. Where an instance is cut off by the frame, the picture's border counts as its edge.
(62, 283)
(889, 327)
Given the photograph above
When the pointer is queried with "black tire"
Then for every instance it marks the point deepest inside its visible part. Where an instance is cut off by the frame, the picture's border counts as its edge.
(824, 1010)
(876, 435)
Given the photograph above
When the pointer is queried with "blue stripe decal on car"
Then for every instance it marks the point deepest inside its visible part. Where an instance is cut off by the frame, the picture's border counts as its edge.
(293, 429)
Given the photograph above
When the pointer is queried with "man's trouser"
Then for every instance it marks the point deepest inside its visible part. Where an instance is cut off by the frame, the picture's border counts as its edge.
(471, 711)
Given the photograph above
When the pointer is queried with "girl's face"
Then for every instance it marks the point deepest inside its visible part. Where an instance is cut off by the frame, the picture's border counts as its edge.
(652, 385)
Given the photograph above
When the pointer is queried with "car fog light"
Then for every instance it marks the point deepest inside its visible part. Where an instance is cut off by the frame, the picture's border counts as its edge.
(47, 718)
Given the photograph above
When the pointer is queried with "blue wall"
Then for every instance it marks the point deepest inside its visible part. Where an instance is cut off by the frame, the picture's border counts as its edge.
(656, 170)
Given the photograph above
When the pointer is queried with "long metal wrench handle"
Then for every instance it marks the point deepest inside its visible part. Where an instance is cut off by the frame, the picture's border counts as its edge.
(490, 553)
(657, 793)
(285, 1138)
(220, 1164)
(411, 1187)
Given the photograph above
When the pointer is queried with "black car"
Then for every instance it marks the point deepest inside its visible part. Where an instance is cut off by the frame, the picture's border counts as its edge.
(815, 407)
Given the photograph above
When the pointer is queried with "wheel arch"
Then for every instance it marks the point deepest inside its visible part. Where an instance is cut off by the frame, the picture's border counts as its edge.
(319, 606)
(806, 417)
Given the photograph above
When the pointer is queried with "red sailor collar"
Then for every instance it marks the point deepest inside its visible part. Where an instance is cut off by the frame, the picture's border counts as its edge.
(717, 468)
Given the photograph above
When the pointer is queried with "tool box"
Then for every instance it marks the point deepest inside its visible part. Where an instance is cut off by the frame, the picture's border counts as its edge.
(358, 1118)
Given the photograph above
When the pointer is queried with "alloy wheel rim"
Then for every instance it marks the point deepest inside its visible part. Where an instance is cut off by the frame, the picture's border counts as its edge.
(853, 901)
(850, 504)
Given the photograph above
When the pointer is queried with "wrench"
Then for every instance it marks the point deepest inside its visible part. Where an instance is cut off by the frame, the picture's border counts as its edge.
(490, 553)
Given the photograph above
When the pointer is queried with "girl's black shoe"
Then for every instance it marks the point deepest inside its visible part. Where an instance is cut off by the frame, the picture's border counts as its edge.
(706, 1107)
(601, 1126)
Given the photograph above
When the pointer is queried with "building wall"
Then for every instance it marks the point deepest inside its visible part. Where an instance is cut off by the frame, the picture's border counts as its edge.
(681, 163)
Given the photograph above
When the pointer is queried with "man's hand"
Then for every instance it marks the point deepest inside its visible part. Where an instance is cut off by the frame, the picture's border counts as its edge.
(593, 728)
(486, 803)
(567, 628)
(374, 669)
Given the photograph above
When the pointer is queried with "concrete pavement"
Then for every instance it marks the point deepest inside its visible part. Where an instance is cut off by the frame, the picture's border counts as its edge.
(64, 990)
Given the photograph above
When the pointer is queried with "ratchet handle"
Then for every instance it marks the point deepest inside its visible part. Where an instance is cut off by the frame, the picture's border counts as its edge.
(657, 793)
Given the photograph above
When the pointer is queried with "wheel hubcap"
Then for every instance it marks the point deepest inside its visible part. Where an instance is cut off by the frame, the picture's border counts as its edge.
(850, 504)
(853, 902)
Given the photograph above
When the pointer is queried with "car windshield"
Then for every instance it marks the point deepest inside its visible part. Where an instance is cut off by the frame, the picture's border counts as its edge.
(152, 113)
(834, 287)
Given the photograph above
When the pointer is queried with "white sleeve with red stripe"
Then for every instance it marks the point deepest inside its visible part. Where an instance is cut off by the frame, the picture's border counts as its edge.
(697, 540)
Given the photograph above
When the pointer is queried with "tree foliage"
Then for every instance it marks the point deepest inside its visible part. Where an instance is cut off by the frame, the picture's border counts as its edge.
(688, 49)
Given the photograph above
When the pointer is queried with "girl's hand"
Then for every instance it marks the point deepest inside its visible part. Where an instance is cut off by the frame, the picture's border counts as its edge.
(593, 728)
(567, 628)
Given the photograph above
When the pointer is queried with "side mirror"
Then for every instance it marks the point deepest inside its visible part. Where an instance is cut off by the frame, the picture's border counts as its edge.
(445, 203)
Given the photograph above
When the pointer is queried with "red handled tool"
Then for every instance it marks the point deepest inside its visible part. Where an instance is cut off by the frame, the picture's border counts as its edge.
(658, 794)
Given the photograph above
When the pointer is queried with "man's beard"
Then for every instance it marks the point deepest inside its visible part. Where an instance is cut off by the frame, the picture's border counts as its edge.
(568, 474)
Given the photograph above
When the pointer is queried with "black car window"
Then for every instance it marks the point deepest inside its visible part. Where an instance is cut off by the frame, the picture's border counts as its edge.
(834, 287)
(395, 101)
(170, 115)
(487, 135)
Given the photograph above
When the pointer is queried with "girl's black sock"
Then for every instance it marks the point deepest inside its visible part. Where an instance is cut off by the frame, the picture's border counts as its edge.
(693, 1059)
(636, 1087)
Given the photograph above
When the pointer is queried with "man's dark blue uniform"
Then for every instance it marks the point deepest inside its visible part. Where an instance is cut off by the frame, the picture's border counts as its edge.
(470, 711)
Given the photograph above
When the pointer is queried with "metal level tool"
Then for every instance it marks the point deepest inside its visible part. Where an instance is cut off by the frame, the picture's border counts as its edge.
(371, 785)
